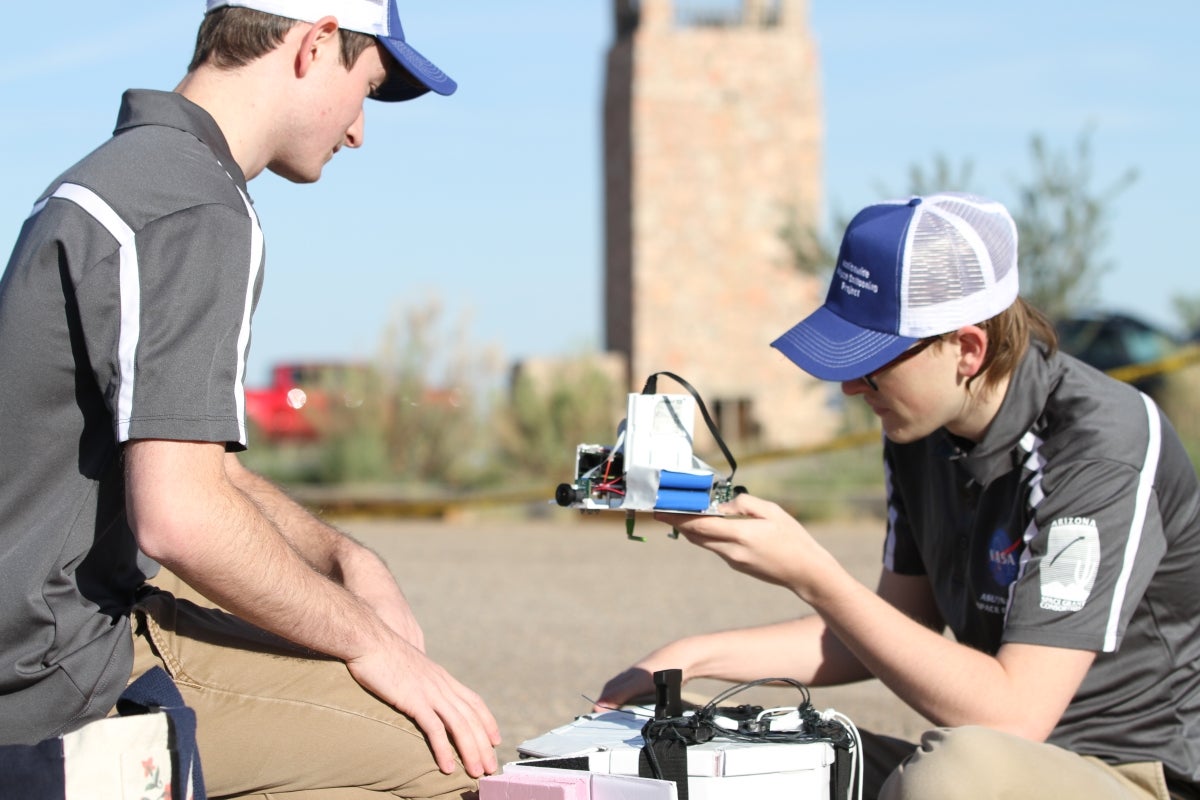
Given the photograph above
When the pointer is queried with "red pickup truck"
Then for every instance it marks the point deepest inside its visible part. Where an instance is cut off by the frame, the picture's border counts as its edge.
(297, 403)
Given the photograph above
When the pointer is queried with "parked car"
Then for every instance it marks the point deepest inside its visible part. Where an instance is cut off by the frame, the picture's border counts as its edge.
(1108, 340)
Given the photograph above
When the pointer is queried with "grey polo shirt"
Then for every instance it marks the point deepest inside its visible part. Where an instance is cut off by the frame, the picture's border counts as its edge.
(1074, 523)
(124, 314)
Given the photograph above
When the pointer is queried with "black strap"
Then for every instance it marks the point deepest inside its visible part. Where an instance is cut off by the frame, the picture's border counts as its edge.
(665, 760)
(664, 754)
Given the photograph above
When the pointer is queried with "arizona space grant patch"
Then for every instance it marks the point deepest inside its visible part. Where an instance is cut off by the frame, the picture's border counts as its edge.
(1068, 570)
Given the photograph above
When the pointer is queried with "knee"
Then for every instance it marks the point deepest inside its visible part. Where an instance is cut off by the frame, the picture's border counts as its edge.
(948, 760)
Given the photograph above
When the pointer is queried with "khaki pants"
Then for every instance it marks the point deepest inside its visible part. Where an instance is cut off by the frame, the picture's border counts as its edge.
(982, 764)
(276, 721)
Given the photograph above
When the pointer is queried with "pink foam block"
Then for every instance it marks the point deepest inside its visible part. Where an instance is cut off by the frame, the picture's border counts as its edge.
(535, 786)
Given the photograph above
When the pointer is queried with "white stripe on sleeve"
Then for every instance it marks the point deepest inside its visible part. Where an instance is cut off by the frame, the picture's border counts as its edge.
(1141, 503)
(243, 341)
(131, 294)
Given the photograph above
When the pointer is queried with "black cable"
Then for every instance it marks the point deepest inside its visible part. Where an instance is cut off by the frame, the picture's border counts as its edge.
(651, 387)
(701, 726)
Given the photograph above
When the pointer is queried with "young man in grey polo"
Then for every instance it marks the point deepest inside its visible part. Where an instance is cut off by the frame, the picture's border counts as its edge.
(1044, 513)
(125, 315)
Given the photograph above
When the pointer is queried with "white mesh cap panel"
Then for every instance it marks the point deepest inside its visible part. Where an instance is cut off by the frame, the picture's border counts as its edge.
(364, 16)
(996, 231)
(946, 265)
(961, 264)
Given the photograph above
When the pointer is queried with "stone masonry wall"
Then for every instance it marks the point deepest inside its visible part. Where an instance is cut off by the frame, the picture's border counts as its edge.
(712, 139)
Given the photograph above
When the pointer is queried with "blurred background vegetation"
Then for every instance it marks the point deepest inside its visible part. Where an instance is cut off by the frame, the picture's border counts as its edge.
(436, 416)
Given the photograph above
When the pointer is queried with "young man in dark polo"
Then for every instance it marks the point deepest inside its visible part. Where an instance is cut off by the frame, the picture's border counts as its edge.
(1043, 512)
(125, 316)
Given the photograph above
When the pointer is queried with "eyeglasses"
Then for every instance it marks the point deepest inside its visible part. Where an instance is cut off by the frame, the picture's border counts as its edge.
(869, 378)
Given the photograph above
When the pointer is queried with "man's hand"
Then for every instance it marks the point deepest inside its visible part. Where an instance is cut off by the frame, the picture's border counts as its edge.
(758, 538)
(635, 682)
(444, 709)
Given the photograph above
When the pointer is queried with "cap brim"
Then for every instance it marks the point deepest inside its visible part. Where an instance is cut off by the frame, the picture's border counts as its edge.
(832, 349)
(423, 76)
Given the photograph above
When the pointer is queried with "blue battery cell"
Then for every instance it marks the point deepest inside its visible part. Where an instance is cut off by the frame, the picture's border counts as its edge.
(668, 479)
(681, 500)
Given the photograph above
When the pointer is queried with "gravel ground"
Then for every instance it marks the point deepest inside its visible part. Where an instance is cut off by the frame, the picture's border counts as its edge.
(536, 614)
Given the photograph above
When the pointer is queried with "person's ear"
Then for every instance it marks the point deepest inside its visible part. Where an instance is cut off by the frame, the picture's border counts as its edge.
(972, 350)
(319, 41)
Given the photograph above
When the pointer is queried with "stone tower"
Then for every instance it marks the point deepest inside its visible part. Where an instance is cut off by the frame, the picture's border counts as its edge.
(712, 138)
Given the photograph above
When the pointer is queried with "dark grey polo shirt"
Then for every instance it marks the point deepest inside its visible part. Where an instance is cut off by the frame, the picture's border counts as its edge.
(1075, 523)
(124, 314)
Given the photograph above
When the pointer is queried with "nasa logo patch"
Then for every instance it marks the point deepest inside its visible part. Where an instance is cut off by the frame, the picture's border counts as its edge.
(1002, 558)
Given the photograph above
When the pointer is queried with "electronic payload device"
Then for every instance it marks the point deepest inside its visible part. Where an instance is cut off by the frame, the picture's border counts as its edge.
(717, 751)
(652, 465)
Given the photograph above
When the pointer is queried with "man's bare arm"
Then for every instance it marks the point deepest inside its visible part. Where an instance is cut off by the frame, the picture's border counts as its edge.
(330, 551)
(188, 514)
(1028, 686)
(804, 649)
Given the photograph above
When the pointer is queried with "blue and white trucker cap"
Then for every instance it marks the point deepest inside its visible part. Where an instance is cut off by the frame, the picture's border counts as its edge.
(380, 19)
(907, 270)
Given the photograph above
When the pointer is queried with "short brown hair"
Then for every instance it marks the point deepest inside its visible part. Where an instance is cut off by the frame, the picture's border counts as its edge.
(1009, 334)
(232, 37)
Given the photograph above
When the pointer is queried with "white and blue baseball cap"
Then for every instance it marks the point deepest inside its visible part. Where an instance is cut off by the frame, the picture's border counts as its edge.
(378, 18)
(907, 270)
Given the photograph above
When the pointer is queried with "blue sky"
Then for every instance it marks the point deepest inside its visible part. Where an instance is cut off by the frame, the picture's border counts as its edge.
(489, 202)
